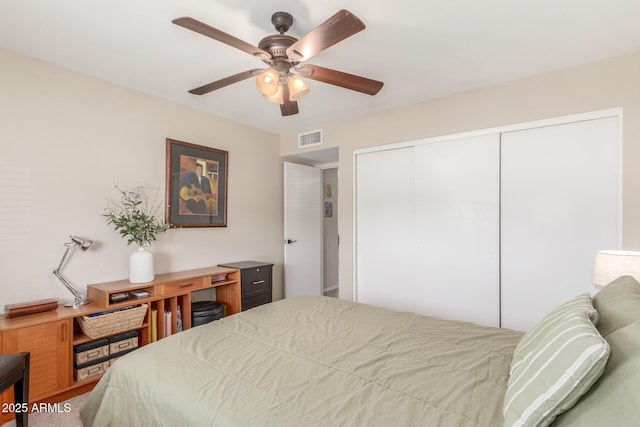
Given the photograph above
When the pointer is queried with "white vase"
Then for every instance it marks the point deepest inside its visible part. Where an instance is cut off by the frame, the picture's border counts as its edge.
(141, 266)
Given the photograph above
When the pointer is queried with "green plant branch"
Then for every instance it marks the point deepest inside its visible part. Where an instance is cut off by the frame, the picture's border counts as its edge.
(133, 218)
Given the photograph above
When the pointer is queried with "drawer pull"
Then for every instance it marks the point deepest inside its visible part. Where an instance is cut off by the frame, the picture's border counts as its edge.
(124, 345)
(258, 282)
(185, 285)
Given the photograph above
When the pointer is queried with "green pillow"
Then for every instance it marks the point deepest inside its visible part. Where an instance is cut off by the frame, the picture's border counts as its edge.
(618, 304)
(615, 399)
(531, 340)
(571, 355)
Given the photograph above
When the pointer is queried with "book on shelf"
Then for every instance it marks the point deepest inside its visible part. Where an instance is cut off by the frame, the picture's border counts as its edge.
(113, 310)
(167, 323)
(218, 278)
(139, 293)
(179, 319)
(154, 325)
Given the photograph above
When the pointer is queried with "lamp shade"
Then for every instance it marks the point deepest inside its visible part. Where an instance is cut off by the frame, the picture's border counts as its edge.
(610, 265)
(84, 244)
(276, 97)
(297, 88)
(268, 82)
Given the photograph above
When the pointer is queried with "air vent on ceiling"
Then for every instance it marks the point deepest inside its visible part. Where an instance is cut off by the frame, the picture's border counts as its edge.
(310, 138)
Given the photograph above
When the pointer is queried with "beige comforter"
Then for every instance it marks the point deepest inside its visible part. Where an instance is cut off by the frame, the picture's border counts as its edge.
(311, 361)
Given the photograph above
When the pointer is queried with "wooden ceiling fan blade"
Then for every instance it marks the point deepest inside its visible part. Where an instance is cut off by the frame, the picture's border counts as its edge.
(340, 26)
(340, 78)
(218, 84)
(288, 108)
(206, 30)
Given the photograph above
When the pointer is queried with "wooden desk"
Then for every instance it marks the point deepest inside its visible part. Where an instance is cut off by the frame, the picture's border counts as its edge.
(50, 336)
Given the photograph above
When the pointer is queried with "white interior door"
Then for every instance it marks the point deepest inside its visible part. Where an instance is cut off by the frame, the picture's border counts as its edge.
(302, 230)
(559, 206)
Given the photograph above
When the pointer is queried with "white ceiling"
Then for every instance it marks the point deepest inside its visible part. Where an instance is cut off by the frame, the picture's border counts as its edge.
(421, 49)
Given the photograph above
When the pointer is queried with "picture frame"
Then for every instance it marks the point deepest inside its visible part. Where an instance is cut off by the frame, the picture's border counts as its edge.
(328, 210)
(196, 185)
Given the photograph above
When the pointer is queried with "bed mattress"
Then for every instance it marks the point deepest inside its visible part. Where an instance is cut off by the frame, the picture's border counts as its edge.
(312, 361)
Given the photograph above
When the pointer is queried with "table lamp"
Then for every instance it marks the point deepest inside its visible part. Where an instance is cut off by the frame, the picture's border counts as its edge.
(84, 244)
(610, 265)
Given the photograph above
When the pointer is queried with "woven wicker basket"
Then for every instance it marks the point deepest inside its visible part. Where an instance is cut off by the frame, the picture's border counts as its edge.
(112, 323)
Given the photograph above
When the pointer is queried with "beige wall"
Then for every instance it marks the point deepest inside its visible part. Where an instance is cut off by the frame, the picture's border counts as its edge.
(602, 85)
(66, 139)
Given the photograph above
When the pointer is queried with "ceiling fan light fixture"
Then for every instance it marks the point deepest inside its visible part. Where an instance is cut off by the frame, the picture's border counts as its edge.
(297, 88)
(282, 53)
(276, 98)
(268, 82)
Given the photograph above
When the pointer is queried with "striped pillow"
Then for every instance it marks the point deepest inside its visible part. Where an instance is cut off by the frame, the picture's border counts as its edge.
(531, 340)
(569, 358)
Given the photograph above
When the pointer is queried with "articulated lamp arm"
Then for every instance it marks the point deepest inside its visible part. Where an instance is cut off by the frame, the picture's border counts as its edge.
(84, 244)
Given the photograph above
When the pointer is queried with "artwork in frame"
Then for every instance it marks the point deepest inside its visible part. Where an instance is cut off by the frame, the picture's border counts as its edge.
(196, 185)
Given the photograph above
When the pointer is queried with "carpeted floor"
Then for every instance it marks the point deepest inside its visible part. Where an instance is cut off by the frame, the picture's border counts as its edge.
(332, 293)
(58, 419)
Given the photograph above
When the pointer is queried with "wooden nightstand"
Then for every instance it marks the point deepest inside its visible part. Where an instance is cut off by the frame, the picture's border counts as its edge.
(255, 279)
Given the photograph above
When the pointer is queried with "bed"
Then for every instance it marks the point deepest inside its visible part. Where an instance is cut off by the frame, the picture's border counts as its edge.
(320, 361)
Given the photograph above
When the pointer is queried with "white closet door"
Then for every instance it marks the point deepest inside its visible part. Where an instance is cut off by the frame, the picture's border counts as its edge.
(384, 227)
(427, 229)
(457, 229)
(559, 205)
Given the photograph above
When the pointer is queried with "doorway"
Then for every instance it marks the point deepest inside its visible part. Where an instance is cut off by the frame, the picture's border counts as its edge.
(326, 161)
(330, 236)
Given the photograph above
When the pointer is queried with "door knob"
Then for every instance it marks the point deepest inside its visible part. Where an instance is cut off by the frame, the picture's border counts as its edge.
(289, 241)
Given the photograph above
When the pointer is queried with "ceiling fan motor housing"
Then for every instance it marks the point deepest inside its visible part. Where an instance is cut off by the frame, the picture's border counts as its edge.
(277, 46)
(282, 21)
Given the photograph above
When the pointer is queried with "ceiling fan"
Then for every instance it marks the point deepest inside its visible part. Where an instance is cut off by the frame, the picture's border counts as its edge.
(283, 54)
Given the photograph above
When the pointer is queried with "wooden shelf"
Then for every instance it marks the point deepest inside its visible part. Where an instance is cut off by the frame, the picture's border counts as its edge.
(168, 284)
(50, 336)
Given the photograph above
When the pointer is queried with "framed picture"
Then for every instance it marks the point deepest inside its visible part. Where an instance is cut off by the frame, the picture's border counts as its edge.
(328, 210)
(196, 185)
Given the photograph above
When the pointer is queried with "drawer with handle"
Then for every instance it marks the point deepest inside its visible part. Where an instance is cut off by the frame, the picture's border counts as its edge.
(90, 352)
(181, 286)
(82, 373)
(255, 300)
(256, 279)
